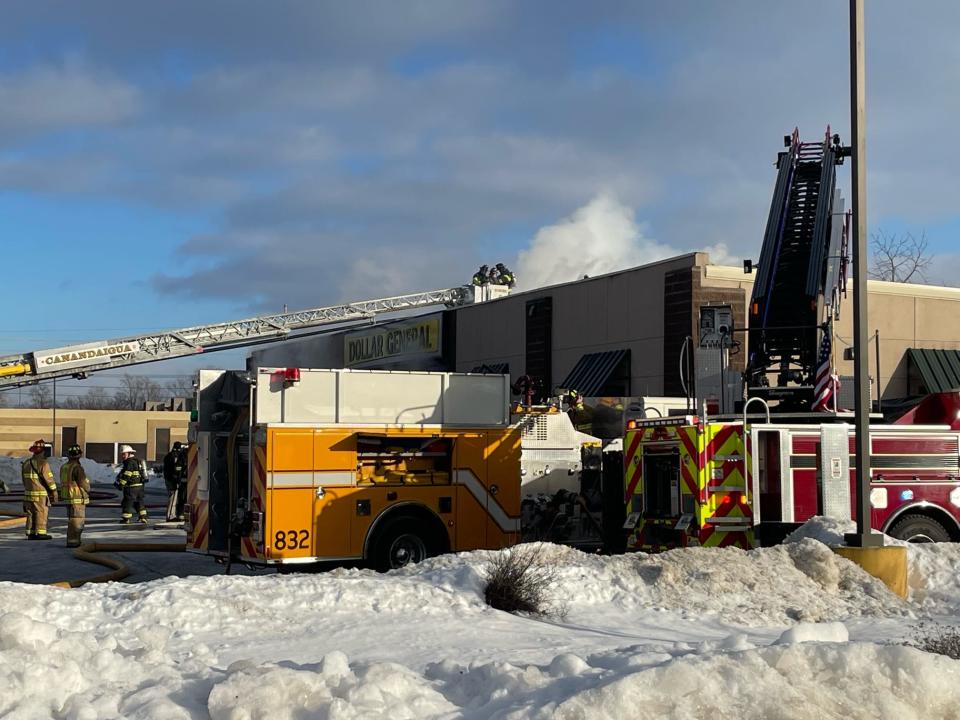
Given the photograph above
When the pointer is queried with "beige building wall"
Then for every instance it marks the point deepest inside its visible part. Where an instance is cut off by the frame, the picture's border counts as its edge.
(622, 310)
(20, 427)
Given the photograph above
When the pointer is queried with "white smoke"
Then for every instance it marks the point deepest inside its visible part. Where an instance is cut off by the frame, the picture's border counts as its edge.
(600, 237)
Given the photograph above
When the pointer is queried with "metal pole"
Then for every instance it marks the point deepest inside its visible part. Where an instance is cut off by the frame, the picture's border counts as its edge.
(861, 367)
(53, 444)
(876, 338)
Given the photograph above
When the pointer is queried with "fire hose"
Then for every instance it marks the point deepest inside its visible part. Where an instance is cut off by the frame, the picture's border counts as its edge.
(89, 552)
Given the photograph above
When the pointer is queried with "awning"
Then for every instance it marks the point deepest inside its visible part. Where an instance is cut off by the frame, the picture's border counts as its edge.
(939, 369)
(492, 369)
(592, 371)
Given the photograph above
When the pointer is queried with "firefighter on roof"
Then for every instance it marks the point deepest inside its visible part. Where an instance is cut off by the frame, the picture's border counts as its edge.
(505, 276)
(131, 478)
(39, 491)
(75, 492)
(480, 276)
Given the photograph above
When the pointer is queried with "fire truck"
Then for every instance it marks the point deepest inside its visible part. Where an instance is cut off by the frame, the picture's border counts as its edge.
(289, 466)
(744, 482)
(717, 478)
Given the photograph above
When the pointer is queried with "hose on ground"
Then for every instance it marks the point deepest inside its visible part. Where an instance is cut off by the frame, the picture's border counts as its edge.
(88, 552)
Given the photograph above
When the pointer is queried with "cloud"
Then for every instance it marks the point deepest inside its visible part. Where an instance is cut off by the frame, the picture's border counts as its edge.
(600, 237)
(55, 97)
(329, 148)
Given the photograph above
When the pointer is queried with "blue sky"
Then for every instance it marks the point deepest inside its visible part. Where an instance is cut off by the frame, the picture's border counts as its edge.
(177, 163)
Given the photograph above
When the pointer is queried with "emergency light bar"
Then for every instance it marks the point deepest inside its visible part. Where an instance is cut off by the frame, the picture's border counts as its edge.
(663, 422)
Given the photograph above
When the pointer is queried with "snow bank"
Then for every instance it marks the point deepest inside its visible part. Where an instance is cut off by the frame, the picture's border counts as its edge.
(853, 680)
(804, 581)
(421, 643)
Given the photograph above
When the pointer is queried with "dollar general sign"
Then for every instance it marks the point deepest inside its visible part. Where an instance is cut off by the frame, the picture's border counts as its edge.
(399, 339)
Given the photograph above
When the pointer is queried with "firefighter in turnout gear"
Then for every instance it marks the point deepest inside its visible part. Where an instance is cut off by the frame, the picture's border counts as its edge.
(175, 478)
(131, 478)
(480, 276)
(39, 491)
(75, 492)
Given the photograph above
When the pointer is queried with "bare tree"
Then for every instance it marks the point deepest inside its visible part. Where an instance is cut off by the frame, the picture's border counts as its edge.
(181, 386)
(41, 396)
(136, 390)
(95, 398)
(899, 258)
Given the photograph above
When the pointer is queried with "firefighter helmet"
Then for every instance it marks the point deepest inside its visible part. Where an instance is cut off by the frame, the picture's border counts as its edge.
(74, 451)
(38, 447)
(127, 450)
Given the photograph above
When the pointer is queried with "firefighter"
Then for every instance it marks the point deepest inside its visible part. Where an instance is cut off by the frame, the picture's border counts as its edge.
(130, 479)
(480, 276)
(75, 492)
(39, 491)
(174, 475)
(505, 276)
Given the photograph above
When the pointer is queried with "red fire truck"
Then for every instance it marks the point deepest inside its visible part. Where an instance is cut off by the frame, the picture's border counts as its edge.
(748, 481)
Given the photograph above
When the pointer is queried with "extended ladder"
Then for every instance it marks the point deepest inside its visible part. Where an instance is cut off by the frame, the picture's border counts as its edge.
(79, 360)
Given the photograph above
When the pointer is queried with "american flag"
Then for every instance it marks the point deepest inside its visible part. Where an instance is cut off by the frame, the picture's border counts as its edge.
(825, 383)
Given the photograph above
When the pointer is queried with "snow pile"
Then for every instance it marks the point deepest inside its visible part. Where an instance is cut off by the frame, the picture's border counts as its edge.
(777, 632)
(829, 531)
(803, 581)
(800, 681)
(328, 689)
(933, 576)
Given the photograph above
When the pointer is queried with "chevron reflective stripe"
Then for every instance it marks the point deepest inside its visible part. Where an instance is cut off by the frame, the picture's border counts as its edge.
(472, 483)
(632, 465)
(726, 458)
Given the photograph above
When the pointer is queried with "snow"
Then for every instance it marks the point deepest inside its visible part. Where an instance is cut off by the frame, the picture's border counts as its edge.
(99, 474)
(792, 631)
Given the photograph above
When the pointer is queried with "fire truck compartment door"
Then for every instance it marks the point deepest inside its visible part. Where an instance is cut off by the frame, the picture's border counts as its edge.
(661, 482)
(834, 470)
(291, 529)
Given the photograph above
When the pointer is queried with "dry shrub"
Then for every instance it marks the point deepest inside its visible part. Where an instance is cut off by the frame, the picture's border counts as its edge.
(519, 580)
(938, 639)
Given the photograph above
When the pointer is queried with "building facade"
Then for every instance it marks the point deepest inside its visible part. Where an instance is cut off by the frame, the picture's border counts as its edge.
(625, 333)
(98, 432)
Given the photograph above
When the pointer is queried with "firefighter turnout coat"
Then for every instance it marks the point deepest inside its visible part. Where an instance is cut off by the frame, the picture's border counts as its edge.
(75, 493)
(39, 489)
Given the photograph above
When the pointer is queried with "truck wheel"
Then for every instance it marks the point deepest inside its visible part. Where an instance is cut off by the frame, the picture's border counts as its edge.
(401, 542)
(919, 529)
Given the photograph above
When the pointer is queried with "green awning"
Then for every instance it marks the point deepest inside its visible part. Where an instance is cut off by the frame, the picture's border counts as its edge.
(939, 369)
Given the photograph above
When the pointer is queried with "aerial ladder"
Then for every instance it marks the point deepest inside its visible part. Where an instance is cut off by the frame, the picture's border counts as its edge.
(801, 272)
(82, 359)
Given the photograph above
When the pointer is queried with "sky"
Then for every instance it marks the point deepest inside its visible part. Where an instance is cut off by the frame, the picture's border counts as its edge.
(171, 164)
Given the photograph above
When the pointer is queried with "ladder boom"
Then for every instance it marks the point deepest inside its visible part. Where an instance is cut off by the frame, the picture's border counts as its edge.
(32, 367)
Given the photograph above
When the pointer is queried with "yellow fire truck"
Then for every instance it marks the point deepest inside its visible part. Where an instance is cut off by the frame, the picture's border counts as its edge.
(290, 465)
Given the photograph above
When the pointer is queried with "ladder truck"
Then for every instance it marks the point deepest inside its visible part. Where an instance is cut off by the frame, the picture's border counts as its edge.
(749, 479)
(800, 275)
(80, 360)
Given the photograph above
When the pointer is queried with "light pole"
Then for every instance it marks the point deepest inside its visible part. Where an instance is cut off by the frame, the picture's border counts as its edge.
(863, 537)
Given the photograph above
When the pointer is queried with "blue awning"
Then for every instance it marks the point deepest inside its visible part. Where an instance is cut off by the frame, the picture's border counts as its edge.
(592, 371)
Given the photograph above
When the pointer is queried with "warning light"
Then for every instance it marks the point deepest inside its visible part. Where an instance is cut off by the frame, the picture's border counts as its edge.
(291, 375)
(726, 500)
(755, 309)
(631, 425)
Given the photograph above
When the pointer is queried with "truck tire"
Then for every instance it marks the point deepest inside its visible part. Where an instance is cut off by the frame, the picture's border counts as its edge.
(919, 529)
(401, 542)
